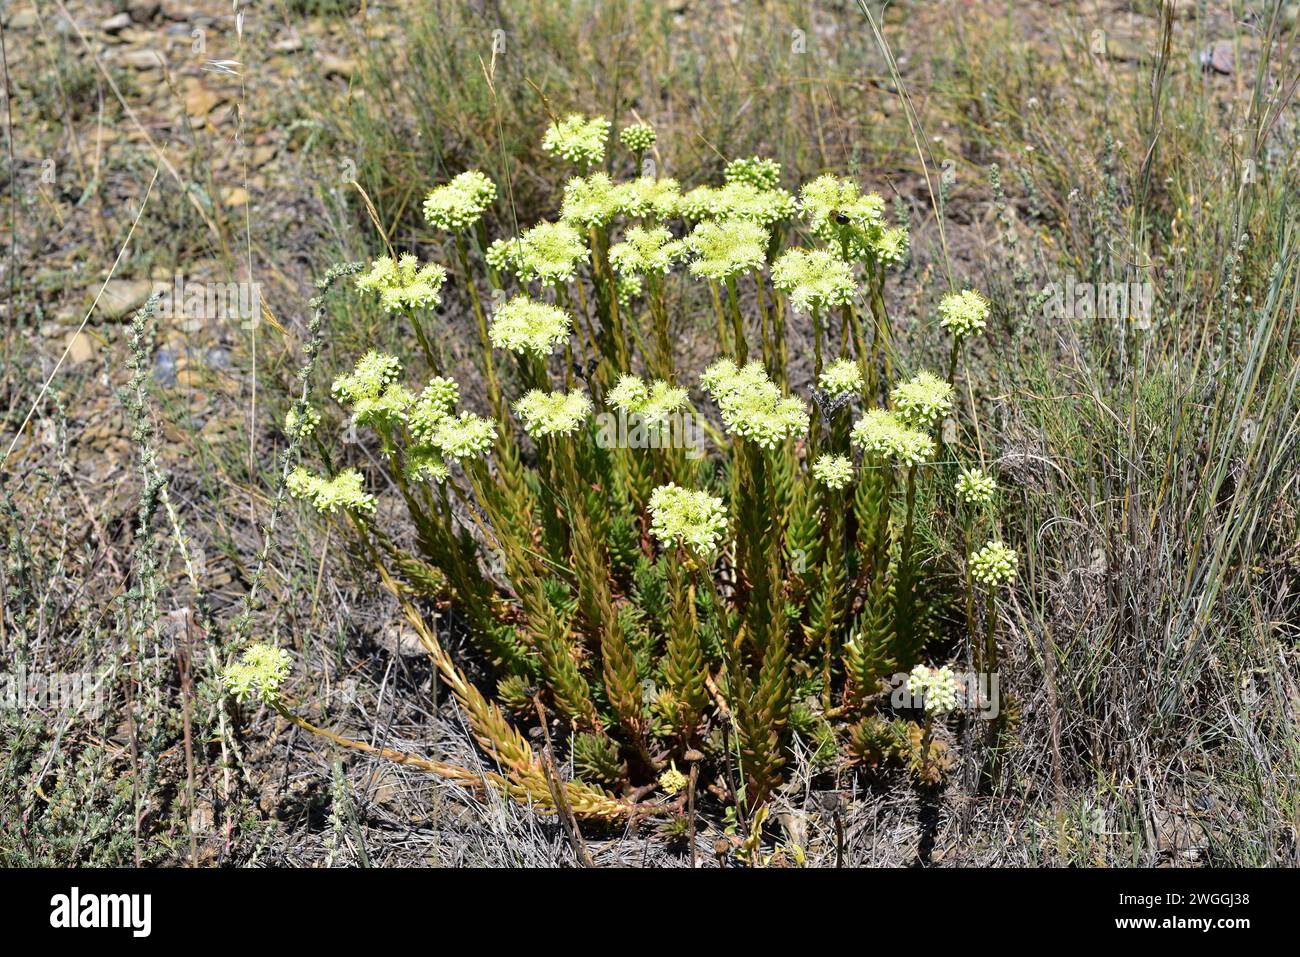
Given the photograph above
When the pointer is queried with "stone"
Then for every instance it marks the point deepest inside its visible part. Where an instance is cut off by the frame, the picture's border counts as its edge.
(122, 297)
(142, 11)
(200, 101)
(116, 23)
(142, 59)
(81, 348)
(1218, 58)
(234, 196)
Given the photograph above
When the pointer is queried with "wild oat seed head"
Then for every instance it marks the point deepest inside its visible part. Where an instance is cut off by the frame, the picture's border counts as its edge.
(727, 248)
(694, 520)
(404, 284)
(938, 688)
(922, 400)
(841, 377)
(526, 325)
(645, 250)
(813, 279)
(651, 198)
(752, 405)
(458, 205)
(552, 413)
(638, 137)
(833, 471)
(975, 487)
(590, 200)
(259, 672)
(881, 433)
(757, 171)
(964, 313)
(577, 139)
(994, 564)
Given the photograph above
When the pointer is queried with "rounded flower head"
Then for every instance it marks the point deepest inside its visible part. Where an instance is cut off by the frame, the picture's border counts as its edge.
(939, 688)
(645, 250)
(638, 137)
(432, 406)
(301, 425)
(371, 390)
(726, 248)
(425, 463)
(628, 288)
(653, 404)
(526, 325)
(259, 672)
(550, 253)
(643, 196)
(833, 471)
(975, 487)
(672, 781)
(813, 279)
(404, 284)
(841, 377)
(577, 139)
(699, 204)
(458, 205)
(881, 433)
(831, 205)
(890, 248)
(756, 171)
(994, 564)
(964, 313)
(590, 200)
(922, 400)
(740, 200)
(463, 436)
(552, 413)
(752, 406)
(343, 491)
(694, 520)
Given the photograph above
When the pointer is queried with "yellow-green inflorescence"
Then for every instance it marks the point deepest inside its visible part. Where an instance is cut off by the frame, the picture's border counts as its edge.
(301, 426)
(590, 200)
(344, 491)
(964, 313)
(648, 198)
(577, 139)
(549, 253)
(922, 400)
(372, 392)
(552, 413)
(403, 283)
(638, 137)
(259, 672)
(753, 407)
(831, 205)
(757, 171)
(994, 564)
(653, 403)
(975, 487)
(833, 471)
(673, 781)
(526, 325)
(459, 204)
(939, 688)
(882, 433)
(841, 377)
(727, 248)
(645, 250)
(813, 279)
(695, 520)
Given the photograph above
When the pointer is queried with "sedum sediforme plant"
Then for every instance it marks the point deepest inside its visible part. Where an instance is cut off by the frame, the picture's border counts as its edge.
(664, 604)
